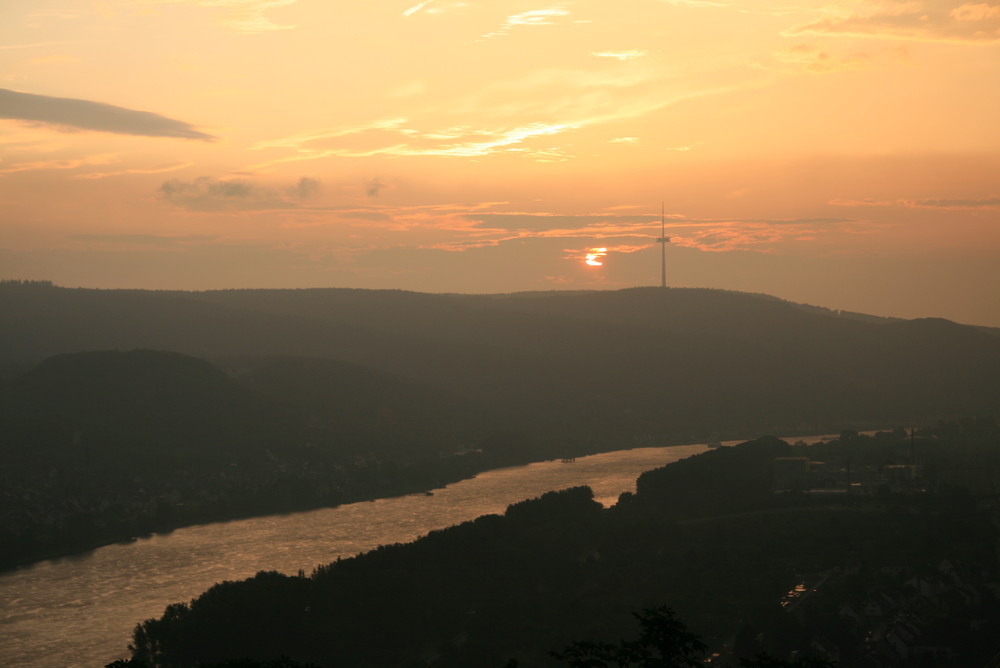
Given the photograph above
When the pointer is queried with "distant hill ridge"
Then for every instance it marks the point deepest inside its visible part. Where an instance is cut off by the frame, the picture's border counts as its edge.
(172, 399)
(629, 364)
(126, 410)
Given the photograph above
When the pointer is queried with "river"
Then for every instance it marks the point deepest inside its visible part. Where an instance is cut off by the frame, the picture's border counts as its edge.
(80, 611)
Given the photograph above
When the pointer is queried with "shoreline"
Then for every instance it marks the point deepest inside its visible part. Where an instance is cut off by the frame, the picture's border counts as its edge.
(90, 546)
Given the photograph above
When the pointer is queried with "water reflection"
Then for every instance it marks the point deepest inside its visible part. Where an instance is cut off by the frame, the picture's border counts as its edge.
(80, 610)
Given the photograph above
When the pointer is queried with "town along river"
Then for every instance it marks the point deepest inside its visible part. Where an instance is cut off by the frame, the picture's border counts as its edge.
(80, 611)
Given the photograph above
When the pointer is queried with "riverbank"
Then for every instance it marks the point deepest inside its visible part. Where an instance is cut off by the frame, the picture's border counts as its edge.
(174, 504)
(518, 584)
(97, 599)
(84, 531)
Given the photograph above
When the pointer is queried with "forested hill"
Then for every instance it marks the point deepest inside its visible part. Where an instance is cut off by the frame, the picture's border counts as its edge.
(635, 365)
(101, 446)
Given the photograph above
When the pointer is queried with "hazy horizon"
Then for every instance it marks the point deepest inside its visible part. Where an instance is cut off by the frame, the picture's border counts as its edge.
(489, 293)
(837, 154)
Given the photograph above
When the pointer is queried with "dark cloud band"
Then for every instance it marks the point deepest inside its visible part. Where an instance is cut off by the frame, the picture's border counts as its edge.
(208, 194)
(88, 115)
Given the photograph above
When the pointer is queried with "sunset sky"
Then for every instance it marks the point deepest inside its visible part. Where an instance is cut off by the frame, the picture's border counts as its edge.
(843, 154)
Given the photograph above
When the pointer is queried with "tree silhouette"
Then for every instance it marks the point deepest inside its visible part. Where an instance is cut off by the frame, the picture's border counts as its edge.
(664, 642)
(768, 661)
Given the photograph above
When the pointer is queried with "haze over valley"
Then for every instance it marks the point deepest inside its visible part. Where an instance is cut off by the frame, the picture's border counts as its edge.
(278, 278)
(127, 412)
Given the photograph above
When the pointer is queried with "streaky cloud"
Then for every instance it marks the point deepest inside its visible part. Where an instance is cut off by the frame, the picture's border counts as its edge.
(125, 172)
(157, 240)
(630, 54)
(416, 143)
(984, 203)
(245, 16)
(991, 202)
(521, 221)
(417, 7)
(67, 163)
(300, 140)
(936, 21)
(96, 116)
(534, 17)
(814, 59)
(32, 45)
(696, 3)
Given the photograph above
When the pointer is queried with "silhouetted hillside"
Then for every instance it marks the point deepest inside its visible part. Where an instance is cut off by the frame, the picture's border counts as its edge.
(333, 394)
(578, 370)
(748, 568)
(362, 410)
(102, 446)
(92, 404)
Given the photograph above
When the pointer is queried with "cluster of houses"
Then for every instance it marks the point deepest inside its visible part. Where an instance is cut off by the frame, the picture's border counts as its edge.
(910, 619)
(800, 474)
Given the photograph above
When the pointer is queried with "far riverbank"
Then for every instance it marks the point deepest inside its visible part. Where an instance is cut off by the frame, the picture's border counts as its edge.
(89, 530)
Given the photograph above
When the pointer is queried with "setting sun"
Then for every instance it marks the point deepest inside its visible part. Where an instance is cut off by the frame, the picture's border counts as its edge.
(828, 153)
(595, 255)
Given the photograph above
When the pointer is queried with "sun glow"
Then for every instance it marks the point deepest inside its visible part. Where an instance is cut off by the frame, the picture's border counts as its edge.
(594, 256)
(486, 142)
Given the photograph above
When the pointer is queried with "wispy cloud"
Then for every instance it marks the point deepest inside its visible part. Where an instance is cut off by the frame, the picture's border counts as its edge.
(417, 7)
(696, 3)
(459, 228)
(153, 240)
(812, 58)
(534, 17)
(438, 7)
(504, 138)
(630, 54)
(647, 224)
(207, 194)
(87, 115)
(551, 221)
(301, 140)
(933, 20)
(588, 97)
(631, 233)
(69, 163)
(533, 115)
(984, 203)
(246, 16)
(992, 202)
(125, 172)
(499, 139)
(449, 142)
(32, 45)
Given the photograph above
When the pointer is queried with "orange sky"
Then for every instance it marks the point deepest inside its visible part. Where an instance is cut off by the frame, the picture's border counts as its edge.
(844, 154)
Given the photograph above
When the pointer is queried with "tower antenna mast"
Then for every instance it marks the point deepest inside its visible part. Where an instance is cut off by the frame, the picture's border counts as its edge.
(663, 240)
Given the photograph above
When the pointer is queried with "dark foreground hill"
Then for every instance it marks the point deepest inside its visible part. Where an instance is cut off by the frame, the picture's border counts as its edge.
(901, 570)
(574, 370)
